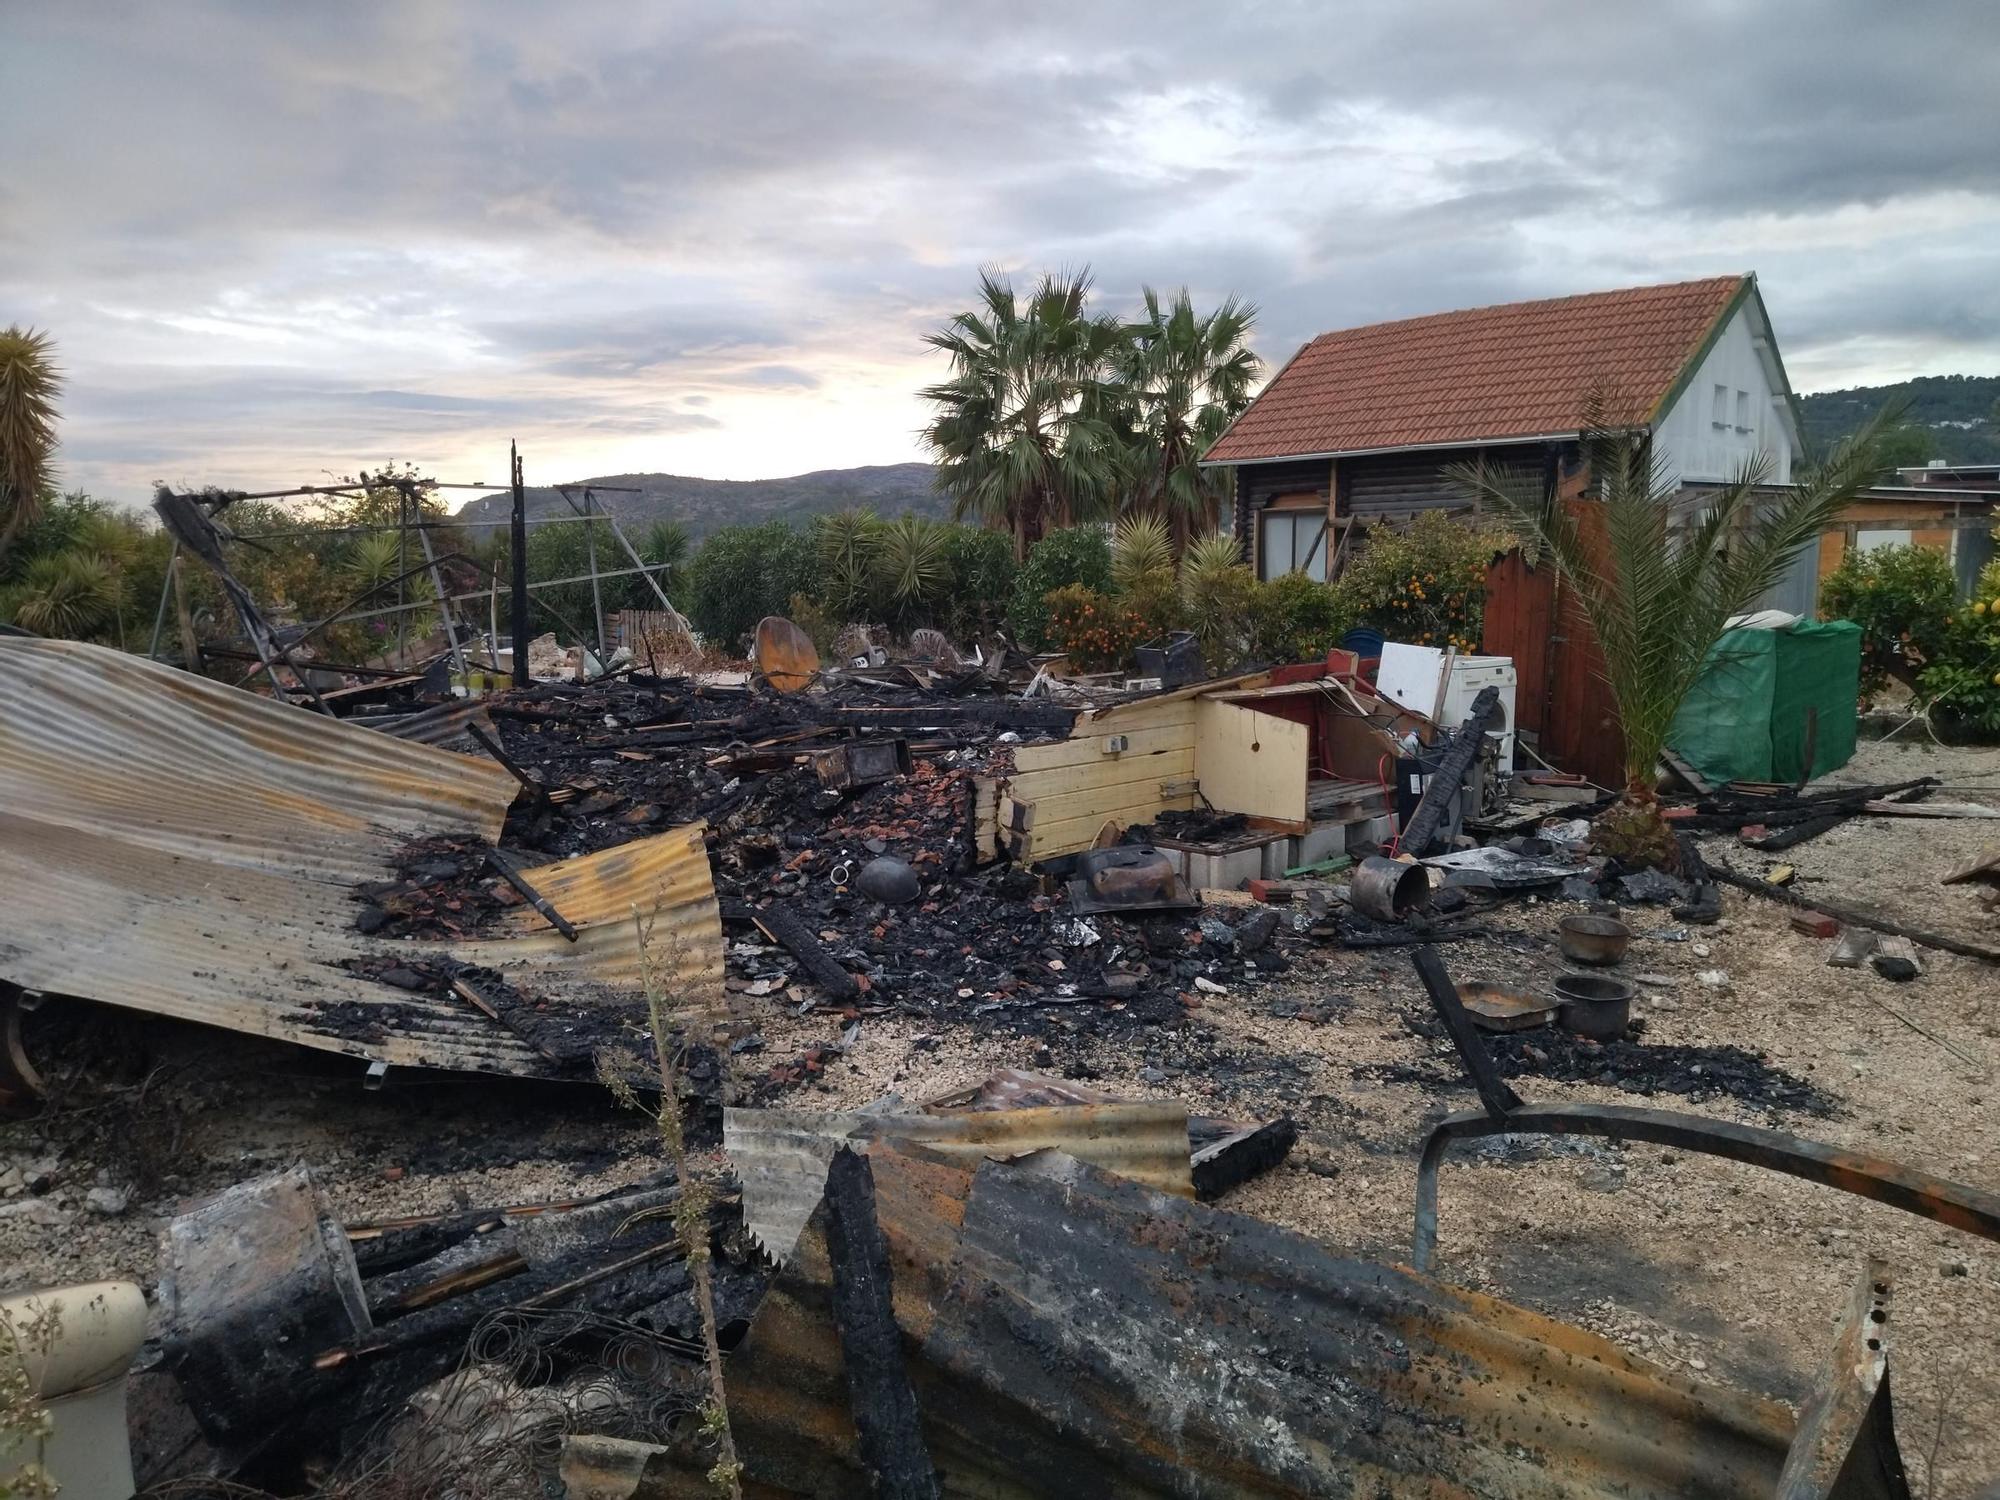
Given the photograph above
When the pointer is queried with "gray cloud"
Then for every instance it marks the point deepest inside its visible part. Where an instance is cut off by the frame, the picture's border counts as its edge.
(710, 238)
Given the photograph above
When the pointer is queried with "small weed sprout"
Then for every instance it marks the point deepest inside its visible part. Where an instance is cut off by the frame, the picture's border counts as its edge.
(695, 1196)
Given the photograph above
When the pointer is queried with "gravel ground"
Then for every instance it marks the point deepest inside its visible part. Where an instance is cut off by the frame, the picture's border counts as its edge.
(1731, 1273)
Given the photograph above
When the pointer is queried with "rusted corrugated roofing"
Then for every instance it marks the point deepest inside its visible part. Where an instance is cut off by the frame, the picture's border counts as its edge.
(172, 845)
(1069, 1333)
(1521, 370)
(780, 1155)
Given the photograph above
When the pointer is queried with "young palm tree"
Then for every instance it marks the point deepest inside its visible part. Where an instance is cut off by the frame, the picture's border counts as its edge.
(29, 385)
(1659, 591)
(1190, 377)
(1024, 436)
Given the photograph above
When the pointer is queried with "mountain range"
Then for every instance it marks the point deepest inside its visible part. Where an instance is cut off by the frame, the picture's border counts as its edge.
(1950, 417)
(702, 505)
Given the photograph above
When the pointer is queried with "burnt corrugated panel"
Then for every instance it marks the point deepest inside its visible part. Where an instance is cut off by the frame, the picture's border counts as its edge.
(1071, 1333)
(781, 1155)
(172, 845)
(658, 890)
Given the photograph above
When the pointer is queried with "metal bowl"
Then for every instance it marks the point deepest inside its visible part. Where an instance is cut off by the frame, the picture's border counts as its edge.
(1593, 940)
(1595, 1005)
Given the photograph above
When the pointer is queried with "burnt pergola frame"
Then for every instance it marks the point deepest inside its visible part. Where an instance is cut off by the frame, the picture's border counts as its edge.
(191, 518)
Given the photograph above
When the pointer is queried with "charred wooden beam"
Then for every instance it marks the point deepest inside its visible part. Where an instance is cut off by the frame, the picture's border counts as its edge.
(788, 930)
(883, 1402)
(511, 873)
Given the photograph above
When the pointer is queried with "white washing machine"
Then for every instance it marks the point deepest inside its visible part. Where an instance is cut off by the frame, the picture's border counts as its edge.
(1409, 676)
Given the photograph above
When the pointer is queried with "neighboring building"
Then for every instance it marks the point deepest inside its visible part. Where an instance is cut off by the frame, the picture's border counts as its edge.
(1361, 425)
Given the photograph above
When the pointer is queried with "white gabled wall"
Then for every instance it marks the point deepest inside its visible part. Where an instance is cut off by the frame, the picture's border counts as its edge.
(1688, 441)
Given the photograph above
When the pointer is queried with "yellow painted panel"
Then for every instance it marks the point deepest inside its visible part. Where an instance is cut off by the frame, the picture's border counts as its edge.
(1250, 762)
(1084, 749)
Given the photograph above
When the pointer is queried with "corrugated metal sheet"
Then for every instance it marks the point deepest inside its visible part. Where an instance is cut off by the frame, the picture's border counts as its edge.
(666, 877)
(172, 845)
(1069, 1333)
(437, 725)
(781, 1155)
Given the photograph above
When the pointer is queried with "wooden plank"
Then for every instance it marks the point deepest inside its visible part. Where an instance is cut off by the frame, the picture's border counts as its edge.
(1078, 833)
(1931, 809)
(1251, 762)
(1985, 863)
(1143, 791)
(1083, 750)
(1122, 770)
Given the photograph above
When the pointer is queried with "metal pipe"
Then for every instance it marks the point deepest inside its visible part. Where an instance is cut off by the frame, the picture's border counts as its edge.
(518, 621)
(160, 615)
(1877, 1178)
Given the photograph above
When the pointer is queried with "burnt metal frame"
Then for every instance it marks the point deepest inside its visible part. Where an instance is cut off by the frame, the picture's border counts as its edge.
(1936, 1198)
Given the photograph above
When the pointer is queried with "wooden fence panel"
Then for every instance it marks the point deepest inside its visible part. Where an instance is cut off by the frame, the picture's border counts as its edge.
(1560, 696)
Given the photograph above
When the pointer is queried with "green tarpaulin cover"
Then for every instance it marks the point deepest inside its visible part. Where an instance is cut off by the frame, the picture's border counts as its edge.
(1745, 719)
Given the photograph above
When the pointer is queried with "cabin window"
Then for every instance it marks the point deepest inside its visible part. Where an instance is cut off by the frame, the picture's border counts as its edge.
(1292, 541)
(1869, 540)
(1742, 411)
(1719, 413)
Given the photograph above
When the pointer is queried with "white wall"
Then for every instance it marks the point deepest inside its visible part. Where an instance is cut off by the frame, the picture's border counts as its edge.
(1691, 444)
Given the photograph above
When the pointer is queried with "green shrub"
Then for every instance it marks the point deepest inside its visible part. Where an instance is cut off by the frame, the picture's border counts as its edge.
(982, 579)
(1901, 597)
(1961, 684)
(1098, 632)
(1425, 585)
(744, 573)
(1075, 555)
(1294, 618)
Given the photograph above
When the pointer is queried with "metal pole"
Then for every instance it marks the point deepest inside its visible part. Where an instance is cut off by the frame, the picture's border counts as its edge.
(160, 615)
(403, 566)
(597, 599)
(493, 620)
(520, 544)
(644, 568)
(444, 602)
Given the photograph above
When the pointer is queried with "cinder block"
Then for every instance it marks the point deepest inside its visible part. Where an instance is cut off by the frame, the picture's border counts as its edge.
(1369, 835)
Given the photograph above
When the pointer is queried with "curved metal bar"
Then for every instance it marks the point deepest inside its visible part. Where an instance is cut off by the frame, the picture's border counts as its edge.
(1939, 1199)
(20, 1084)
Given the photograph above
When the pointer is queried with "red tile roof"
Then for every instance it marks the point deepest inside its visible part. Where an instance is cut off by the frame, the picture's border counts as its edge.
(1520, 370)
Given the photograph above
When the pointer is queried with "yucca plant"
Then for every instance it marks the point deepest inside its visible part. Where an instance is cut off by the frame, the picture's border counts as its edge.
(1217, 590)
(29, 385)
(1659, 592)
(666, 544)
(73, 595)
(850, 561)
(374, 558)
(1142, 552)
(915, 566)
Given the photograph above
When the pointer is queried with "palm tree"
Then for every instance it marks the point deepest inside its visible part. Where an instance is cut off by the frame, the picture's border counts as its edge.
(1190, 377)
(29, 385)
(1659, 591)
(1024, 435)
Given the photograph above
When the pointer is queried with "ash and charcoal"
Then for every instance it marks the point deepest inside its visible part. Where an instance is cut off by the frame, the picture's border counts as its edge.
(1630, 1065)
(884, 878)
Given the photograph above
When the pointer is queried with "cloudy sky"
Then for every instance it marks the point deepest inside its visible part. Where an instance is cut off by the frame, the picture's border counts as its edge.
(276, 241)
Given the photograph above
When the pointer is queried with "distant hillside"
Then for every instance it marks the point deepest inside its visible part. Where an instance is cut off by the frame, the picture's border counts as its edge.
(702, 505)
(1956, 414)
